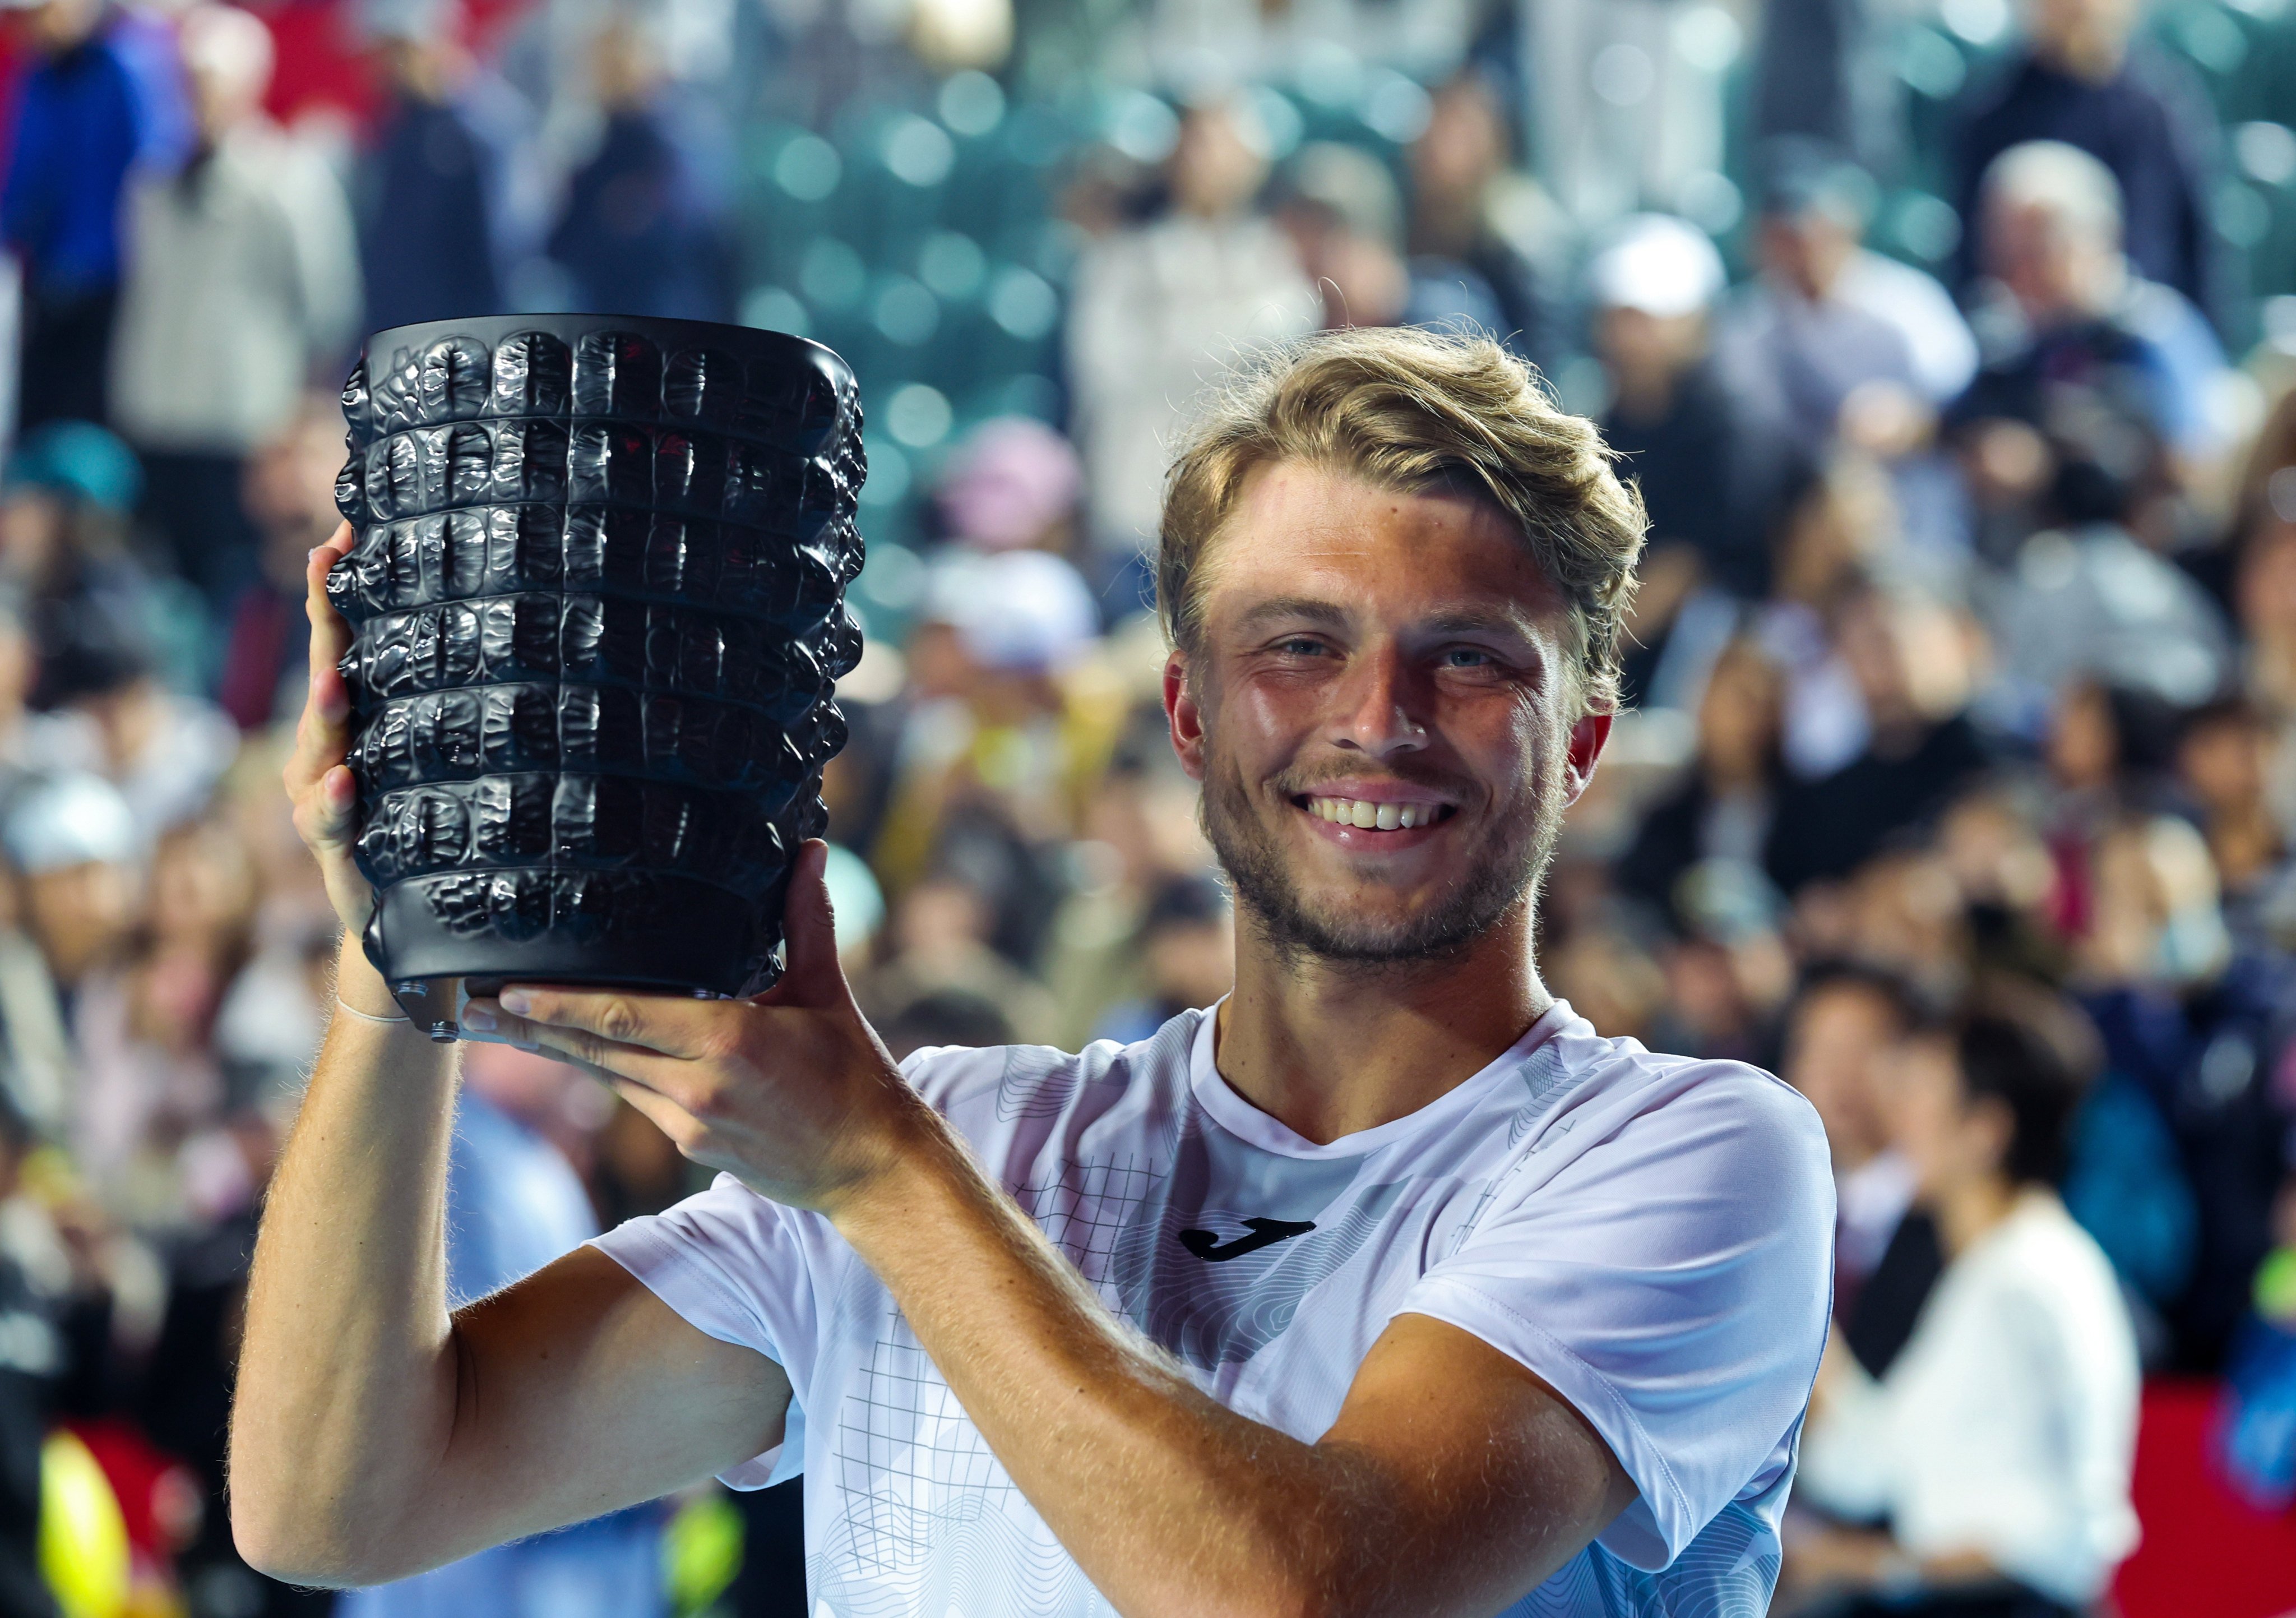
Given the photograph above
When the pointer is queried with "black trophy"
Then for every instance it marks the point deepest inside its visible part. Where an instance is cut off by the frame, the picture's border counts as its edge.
(597, 604)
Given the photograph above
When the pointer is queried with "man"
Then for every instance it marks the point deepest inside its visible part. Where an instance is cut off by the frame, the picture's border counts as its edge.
(1388, 1286)
(1830, 320)
(1708, 472)
(2083, 79)
(242, 282)
(99, 101)
(1846, 1033)
(2071, 314)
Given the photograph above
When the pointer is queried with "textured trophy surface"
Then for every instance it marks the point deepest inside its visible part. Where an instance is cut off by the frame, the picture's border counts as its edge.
(597, 602)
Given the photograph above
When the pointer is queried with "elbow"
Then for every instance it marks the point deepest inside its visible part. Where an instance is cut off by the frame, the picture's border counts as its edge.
(302, 1547)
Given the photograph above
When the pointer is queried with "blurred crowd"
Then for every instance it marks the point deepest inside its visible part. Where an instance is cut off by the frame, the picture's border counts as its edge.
(1957, 782)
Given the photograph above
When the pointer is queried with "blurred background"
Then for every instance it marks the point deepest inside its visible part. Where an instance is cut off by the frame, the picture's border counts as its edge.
(1952, 342)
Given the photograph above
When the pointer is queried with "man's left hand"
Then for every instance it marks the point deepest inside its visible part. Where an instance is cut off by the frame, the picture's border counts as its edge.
(792, 1091)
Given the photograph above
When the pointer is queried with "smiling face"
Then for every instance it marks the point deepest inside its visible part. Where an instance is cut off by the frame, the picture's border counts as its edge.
(1379, 702)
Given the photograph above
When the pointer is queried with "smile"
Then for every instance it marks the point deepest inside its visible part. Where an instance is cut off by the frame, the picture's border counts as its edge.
(1386, 816)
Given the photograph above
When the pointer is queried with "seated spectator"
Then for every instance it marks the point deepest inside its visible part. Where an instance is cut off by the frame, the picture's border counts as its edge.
(1477, 219)
(1822, 324)
(2070, 309)
(149, 1082)
(1187, 947)
(74, 844)
(1721, 812)
(163, 750)
(64, 545)
(1011, 483)
(1708, 475)
(2089, 597)
(290, 495)
(1158, 308)
(1846, 1029)
(1910, 660)
(2083, 78)
(1998, 1446)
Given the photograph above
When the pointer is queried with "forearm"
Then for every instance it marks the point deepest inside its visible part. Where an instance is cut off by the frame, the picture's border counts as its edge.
(1170, 1501)
(347, 1378)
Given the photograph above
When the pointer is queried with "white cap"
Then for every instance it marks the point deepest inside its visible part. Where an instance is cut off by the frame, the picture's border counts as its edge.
(1658, 264)
(65, 820)
(1017, 610)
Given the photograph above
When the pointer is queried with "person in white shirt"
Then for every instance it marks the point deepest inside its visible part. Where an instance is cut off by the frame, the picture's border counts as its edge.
(1999, 1444)
(1386, 1285)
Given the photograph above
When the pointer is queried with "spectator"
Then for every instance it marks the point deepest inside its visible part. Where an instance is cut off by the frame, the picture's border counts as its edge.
(1721, 813)
(64, 544)
(2073, 310)
(1011, 484)
(98, 102)
(242, 282)
(427, 235)
(289, 494)
(73, 841)
(1909, 658)
(1160, 308)
(1830, 323)
(1847, 1031)
(1999, 1444)
(1187, 944)
(1477, 221)
(639, 232)
(2082, 79)
(1706, 474)
(1339, 206)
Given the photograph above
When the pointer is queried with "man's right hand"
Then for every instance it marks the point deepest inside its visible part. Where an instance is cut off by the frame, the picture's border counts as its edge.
(318, 781)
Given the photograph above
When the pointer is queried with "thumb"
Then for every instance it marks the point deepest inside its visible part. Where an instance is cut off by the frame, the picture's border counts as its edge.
(810, 970)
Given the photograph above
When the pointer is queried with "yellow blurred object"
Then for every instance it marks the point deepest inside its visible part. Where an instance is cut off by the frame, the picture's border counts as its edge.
(84, 1552)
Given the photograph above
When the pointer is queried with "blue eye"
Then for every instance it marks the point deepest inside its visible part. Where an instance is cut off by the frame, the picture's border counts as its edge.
(1467, 657)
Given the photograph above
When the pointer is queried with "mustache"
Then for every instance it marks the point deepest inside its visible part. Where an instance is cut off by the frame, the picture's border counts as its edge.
(1457, 789)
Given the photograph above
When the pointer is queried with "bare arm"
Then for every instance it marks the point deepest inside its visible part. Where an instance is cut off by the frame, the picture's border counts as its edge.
(375, 1436)
(1453, 1482)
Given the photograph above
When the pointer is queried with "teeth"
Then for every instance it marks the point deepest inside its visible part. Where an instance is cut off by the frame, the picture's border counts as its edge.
(1372, 817)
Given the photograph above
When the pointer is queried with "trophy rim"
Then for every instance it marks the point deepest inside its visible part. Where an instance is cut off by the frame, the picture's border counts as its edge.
(493, 329)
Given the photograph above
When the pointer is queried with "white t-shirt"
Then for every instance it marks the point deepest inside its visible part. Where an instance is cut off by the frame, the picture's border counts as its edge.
(1650, 1235)
(2008, 1424)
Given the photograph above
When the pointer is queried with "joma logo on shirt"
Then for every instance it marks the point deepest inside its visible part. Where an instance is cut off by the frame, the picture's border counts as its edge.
(1264, 1233)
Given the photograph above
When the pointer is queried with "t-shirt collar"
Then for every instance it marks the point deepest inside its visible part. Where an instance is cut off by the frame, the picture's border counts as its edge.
(1255, 1127)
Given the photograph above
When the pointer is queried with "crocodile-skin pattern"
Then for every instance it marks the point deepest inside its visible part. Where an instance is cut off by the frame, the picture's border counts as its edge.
(597, 599)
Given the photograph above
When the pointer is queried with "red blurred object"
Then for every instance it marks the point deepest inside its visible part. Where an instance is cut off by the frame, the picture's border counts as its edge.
(159, 1497)
(2205, 1549)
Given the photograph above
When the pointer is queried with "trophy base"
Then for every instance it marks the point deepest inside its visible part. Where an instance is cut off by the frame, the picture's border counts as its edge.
(435, 1005)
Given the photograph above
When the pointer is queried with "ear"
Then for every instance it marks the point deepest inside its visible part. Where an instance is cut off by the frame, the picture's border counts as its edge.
(1184, 712)
(1992, 1127)
(1587, 737)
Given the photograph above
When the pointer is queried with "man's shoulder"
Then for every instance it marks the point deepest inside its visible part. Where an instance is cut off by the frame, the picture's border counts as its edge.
(1695, 1102)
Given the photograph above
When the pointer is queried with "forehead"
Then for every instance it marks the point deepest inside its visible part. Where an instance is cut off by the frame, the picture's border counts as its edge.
(1297, 529)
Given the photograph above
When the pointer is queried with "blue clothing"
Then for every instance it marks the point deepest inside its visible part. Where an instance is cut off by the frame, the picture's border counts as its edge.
(2149, 124)
(638, 234)
(427, 240)
(87, 117)
(512, 1205)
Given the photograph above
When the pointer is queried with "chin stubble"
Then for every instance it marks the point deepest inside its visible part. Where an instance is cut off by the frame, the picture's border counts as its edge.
(1268, 899)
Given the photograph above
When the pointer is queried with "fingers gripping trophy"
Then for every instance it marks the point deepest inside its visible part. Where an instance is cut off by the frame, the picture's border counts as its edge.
(573, 652)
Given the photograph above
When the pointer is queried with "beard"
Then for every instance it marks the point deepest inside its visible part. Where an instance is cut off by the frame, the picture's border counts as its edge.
(1504, 871)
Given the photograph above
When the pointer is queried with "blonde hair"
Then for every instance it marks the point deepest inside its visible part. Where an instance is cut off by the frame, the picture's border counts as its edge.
(1415, 411)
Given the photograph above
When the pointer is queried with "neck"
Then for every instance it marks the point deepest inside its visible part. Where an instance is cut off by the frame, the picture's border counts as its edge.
(1965, 1210)
(1332, 1048)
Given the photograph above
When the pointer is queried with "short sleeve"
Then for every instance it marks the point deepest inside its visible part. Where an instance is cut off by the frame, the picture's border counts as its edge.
(739, 1268)
(1672, 1281)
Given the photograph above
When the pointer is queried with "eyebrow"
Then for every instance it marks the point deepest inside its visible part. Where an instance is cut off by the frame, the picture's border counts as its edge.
(1330, 614)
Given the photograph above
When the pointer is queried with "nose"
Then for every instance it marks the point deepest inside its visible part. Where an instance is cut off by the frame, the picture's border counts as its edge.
(1377, 709)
